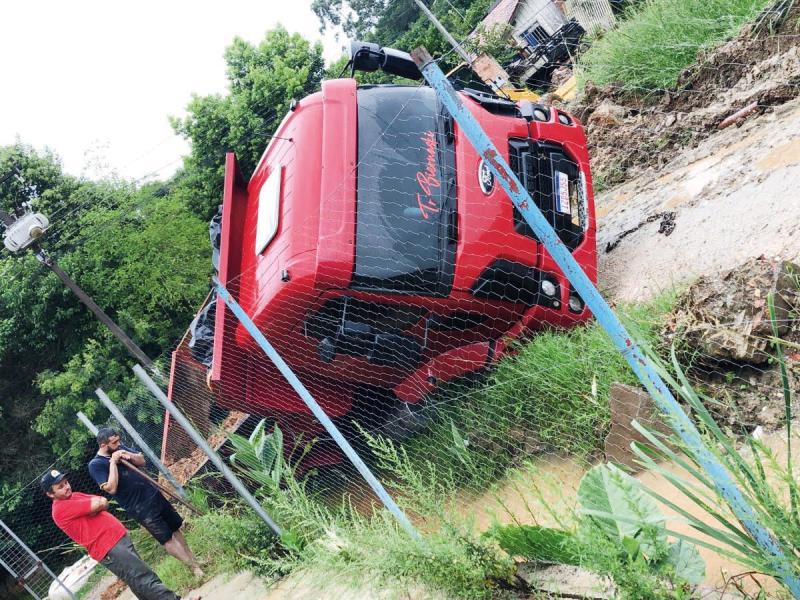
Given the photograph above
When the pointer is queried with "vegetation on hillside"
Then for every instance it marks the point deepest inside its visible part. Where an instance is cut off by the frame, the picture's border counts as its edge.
(658, 39)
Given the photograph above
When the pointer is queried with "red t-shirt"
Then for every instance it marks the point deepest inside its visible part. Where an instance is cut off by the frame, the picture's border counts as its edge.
(97, 533)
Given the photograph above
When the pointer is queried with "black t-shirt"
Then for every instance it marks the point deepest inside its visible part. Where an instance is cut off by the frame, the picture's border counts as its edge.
(134, 493)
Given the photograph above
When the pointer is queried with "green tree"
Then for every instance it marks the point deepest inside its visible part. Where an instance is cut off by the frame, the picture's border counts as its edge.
(263, 79)
(146, 261)
(41, 323)
(359, 18)
(142, 256)
(401, 24)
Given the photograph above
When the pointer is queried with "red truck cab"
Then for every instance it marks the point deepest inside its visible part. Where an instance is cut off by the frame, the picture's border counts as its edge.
(377, 254)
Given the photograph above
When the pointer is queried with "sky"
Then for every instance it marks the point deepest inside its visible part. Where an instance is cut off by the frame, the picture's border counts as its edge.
(95, 81)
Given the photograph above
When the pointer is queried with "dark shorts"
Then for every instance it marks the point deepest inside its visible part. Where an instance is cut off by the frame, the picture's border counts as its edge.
(162, 521)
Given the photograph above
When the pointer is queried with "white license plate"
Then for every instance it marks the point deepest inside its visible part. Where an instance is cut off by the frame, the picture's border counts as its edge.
(562, 193)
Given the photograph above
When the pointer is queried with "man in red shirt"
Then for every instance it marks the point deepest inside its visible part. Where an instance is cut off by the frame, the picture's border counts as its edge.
(85, 520)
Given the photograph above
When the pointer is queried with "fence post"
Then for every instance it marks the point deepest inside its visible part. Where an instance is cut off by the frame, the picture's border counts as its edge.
(27, 571)
(639, 362)
(87, 422)
(315, 408)
(198, 439)
(131, 430)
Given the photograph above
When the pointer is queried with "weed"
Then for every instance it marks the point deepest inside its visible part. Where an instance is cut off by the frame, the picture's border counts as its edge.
(450, 558)
(660, 38)
(337, 543)
(618, 531)
(767, 486)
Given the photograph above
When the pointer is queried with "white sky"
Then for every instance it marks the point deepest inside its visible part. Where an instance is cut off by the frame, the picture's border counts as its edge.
(95, 81)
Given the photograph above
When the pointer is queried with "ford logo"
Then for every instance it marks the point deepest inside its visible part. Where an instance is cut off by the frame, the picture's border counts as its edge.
(485, 178)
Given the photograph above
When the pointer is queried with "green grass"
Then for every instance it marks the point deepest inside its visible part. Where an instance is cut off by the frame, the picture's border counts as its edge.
(660, 38)
(228, 540)
(555, 388)
(551, 396)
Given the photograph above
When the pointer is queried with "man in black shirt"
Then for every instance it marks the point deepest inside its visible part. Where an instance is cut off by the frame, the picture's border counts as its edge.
(140, 498)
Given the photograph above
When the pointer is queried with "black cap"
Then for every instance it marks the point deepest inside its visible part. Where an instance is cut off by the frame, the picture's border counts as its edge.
(51, 478)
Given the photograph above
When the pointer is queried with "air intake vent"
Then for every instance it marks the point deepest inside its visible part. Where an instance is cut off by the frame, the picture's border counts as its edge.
(553, 181)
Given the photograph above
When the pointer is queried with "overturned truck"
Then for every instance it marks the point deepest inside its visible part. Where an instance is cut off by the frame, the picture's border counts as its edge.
(377, 254)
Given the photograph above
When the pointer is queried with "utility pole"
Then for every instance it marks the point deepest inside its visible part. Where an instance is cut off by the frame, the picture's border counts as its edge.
(23, 232)
(467, 58)
(129, 344)
(483, 65)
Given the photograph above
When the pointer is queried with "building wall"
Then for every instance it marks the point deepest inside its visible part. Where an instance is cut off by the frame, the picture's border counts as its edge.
(544, 12)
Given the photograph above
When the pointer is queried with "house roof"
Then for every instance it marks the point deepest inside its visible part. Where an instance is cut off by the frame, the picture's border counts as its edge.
(501, 13)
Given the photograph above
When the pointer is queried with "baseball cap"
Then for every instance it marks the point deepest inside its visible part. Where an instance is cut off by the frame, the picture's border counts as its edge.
(51, 478)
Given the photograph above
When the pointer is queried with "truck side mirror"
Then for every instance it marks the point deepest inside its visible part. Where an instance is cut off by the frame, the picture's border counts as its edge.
(369, 57)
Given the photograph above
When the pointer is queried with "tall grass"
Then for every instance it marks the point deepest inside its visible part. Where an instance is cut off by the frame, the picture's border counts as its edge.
(551, 396)
(555, 387)
(767, 486)
(660, 38)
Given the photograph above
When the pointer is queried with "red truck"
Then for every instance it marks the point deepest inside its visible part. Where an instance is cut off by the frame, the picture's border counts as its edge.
(377, 254)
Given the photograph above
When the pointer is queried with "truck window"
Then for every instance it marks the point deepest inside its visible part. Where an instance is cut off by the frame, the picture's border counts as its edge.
(406, 192)
(269, 199)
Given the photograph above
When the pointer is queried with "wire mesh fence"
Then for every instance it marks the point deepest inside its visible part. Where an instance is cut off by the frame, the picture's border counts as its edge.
(389, 270)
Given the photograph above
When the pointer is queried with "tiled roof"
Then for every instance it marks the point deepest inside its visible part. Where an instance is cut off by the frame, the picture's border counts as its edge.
(501, 13)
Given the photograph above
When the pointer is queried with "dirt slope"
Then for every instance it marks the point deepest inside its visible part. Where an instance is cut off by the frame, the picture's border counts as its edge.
(735, 196)
(629, 135)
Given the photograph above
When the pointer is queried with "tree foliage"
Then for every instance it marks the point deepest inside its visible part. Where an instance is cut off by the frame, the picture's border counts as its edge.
(138, 252)
(401, 24)
(263, 79)
(142, 252)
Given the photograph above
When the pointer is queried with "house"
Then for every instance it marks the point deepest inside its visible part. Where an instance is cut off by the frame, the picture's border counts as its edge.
(531, 22)
(546, 33)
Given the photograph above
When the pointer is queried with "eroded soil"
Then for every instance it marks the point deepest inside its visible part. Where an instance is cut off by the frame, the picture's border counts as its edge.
(630, 136)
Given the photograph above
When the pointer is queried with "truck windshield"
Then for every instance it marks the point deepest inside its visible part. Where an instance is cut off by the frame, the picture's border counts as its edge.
(405, 237)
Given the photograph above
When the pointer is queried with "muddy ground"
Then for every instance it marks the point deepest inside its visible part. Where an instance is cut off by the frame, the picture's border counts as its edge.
(731, 199)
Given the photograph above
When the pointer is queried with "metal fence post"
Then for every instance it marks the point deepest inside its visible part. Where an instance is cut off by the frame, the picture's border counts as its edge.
(87, 422)
(639, 362)
(24, 565)
(131, 430)
(319, 413)
(198, 439)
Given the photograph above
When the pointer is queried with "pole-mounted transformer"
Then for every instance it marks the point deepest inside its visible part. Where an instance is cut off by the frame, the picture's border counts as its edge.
(24, 232)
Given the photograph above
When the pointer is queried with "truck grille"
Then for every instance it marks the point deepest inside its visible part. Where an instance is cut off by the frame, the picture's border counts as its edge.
(554, 183)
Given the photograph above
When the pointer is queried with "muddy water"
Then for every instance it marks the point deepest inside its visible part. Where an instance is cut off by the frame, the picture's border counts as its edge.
(544, 493)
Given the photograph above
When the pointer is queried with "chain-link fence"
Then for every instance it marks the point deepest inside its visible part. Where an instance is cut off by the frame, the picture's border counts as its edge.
(416, 305)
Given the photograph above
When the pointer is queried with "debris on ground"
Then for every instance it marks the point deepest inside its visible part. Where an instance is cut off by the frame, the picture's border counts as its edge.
(566, 581)
(722, 328)
(607, 114)
(630, 404)
(726, 317)
(665, 227)
(560, 76)
(185, 468)
(114, 590)
(739, 116)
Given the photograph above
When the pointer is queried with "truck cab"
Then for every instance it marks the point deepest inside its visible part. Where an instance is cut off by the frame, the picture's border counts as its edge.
(378, 255)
